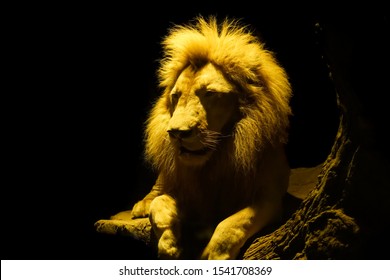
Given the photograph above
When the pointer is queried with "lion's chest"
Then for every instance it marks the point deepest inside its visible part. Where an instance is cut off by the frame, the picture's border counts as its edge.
(209, 199)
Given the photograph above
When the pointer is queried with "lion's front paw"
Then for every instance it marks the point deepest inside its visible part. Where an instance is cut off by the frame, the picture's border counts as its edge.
(222, 246)
(219, 252)
(141, 209)
(168, 246)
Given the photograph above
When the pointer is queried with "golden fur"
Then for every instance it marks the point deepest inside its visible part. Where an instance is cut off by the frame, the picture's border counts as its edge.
(215, 136)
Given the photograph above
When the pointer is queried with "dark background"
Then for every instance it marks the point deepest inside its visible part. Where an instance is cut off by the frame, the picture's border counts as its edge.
(83, 79)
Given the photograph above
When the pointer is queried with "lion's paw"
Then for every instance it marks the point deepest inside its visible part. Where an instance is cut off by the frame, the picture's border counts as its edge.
(168, 246)
(141, 209)
(221, 247)
(218, 253)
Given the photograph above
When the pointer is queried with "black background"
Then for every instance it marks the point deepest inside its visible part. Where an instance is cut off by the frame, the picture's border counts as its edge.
(83, 79)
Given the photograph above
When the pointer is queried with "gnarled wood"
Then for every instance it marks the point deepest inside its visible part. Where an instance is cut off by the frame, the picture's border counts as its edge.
(346, 215)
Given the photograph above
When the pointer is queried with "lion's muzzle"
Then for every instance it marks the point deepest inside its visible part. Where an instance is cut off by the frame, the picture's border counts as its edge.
(185, 135)
(180, 133)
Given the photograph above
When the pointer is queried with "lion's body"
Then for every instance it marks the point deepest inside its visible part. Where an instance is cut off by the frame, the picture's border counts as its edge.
(216, 137)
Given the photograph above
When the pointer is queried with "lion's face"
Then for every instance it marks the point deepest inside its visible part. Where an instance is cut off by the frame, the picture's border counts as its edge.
(204, 108)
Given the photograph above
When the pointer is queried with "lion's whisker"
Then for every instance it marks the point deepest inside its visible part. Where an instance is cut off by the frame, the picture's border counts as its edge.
(210, 138)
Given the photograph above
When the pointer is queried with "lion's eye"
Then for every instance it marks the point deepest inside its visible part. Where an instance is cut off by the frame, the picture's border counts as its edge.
(174, 98)
(211, 93)
(208, 93)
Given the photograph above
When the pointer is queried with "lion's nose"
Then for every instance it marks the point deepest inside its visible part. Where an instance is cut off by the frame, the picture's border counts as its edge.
(180, 133)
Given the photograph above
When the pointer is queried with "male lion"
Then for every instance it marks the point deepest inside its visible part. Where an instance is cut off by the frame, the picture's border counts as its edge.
(216, 138)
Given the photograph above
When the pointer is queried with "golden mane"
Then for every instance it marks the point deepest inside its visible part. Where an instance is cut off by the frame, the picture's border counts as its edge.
(264, 90)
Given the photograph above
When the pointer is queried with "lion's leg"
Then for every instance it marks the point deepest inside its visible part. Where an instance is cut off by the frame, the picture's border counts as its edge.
(141, 208)
(165, 222)
(232, 233)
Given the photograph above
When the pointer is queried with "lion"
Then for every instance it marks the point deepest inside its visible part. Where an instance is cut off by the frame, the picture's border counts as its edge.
(216, 138)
